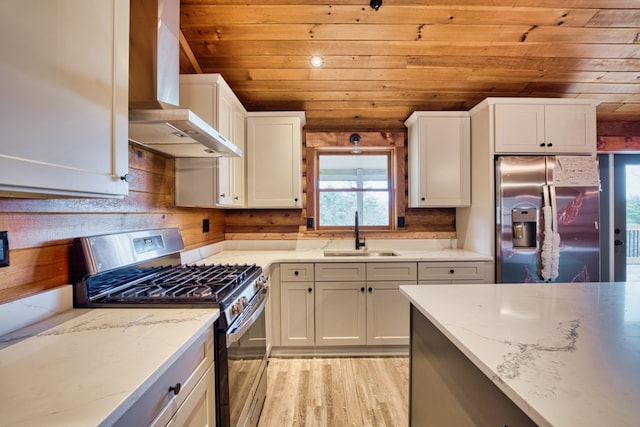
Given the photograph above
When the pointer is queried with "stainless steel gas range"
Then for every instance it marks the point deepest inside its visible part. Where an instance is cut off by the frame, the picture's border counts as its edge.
(143, 268)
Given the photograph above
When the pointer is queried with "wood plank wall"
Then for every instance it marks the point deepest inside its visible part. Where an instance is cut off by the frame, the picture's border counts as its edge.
(291, 223)
(619, 136)
(41, 232)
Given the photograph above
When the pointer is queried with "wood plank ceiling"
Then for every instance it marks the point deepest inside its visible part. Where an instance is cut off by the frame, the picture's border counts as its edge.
(380, 66)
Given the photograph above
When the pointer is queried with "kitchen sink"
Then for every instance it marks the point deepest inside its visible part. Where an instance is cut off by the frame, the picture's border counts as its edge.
(363, 252)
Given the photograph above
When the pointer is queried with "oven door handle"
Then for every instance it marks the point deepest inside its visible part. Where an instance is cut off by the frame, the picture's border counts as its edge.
(237, 332)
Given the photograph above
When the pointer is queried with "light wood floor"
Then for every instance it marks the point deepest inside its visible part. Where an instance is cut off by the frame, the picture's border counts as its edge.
(358, 391)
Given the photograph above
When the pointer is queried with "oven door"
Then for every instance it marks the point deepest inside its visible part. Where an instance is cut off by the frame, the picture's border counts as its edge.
(246, 364)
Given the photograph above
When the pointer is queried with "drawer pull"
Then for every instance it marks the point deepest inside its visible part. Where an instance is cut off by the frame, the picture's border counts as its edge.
(452, 271)
(295, 273)
(175, 388)
(310, 290)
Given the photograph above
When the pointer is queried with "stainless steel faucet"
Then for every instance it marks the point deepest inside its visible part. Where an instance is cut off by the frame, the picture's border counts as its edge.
(360, 242)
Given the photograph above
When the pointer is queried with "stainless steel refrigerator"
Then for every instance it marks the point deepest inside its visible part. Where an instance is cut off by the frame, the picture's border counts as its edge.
(547, 214)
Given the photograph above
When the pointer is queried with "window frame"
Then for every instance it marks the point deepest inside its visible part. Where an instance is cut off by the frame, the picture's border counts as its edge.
(385, 151)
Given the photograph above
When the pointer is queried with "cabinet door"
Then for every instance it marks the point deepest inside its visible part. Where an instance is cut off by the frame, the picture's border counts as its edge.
(387, 314)
(199, 408)
(439, 156)
(340, 313)
(65, 119)
(297, 313)
(156, 405)
(570, 129)
(519, 128)
(225, 105)
(211, 98)
(224, 181)
(238, 168)
(274, 162)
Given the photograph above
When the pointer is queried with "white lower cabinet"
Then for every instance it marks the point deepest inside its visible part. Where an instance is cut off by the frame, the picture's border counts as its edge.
(183, 395)
(340, 303)
(297, 307)
(341, 313)
(297, 313)
(198, 410)
(387, 308)
(345, 304)
(460, 272)
(387, 313)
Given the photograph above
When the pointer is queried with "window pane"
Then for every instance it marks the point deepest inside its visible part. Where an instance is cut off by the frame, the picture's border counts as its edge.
(346, 172)
(375, 209)
(338, 209)
(349, 171)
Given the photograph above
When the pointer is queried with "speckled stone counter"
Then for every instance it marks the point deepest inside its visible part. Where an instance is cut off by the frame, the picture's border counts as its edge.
(87, 367)
(567, 354)
(266, 253)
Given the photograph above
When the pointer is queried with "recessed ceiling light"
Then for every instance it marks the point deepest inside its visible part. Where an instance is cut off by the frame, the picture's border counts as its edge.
(316, 61)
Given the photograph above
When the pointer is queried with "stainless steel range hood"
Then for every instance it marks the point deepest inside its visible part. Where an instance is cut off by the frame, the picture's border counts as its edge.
(155, 119)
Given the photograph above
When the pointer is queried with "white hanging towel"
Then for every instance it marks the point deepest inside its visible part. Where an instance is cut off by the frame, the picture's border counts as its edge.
(555, 251)
(547, 242)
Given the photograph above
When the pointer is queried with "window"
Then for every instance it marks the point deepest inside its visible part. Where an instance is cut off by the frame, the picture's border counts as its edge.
(354, 182)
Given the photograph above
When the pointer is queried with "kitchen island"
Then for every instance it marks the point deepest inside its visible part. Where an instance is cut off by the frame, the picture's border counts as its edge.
(562, 354)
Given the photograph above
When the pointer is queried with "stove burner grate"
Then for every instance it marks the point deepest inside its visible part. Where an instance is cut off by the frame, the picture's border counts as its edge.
(209, 283)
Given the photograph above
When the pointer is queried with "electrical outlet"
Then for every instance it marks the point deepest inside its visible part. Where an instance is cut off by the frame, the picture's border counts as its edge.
(310, 223)
(205, 225)
(4, 248)
(400, 222)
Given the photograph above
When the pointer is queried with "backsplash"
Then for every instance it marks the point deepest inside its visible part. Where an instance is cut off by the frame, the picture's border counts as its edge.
(41, 231)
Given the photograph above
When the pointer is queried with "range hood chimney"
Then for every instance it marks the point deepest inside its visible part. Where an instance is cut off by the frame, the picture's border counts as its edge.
(155, 119)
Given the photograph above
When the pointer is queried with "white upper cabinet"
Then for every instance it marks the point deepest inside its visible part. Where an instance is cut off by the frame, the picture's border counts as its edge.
(274, 159)
(550, 126)
(220, 181)
(439, 159)
(64, 84)
(232, 122)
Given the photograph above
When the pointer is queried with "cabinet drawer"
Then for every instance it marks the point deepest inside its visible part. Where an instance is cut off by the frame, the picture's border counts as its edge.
(296, 272)
(394, 271)
(451, 271)
(343, 271)
(158, 404)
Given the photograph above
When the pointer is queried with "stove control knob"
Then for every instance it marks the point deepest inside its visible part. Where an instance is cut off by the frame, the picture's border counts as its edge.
(236, 309)
(243, 302)
(260, 282)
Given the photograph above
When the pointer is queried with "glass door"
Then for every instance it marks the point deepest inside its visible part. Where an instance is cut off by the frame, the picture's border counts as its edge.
(626, 217)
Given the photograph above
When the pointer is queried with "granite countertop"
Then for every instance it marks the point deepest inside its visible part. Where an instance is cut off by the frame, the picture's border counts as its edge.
(567, 354)
(86, 367)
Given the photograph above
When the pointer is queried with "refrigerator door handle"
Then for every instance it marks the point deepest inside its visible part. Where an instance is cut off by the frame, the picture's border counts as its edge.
(546, 247)
(555, 252)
